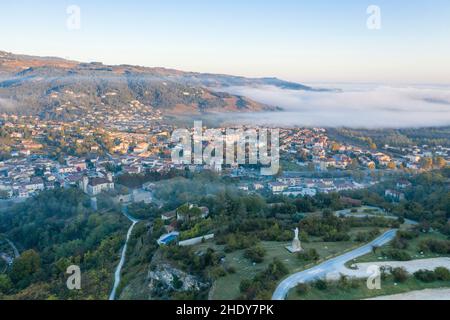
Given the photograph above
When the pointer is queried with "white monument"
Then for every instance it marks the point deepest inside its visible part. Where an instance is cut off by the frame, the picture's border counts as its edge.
(296, 244)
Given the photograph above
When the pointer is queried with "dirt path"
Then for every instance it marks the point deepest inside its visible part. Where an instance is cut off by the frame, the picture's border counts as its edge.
(412, 266)
(428, 294)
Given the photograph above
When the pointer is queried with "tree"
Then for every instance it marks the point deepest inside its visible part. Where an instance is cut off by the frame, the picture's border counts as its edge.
(442, 274)
(426, 163)
(26, 266)
(335, 147)
(255, 254)
(309, 255)
(4, 194)
(5, 283)
(440, 162)
(354, 164)
(303, 288)
(425, 275)
(276, 270)
(392, 165)
(397, 255)
(321, 284)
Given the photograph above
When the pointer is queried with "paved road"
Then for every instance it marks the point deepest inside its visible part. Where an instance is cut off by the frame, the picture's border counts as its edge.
(117, 274)
(329, 266)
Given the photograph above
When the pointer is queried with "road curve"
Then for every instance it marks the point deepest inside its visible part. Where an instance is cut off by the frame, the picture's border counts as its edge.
(13, 246)
(118, 272)
(321, 270)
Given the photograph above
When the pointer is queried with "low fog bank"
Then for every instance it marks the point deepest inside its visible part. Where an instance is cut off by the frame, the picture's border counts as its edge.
(7, 104)
(356, 107)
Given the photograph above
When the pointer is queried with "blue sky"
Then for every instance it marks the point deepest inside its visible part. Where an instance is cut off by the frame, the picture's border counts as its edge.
(305, 41)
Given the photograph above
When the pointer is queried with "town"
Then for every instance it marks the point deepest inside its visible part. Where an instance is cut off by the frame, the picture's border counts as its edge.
(37, 155)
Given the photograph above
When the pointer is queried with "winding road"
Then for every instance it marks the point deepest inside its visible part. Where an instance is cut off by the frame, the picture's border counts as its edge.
(117, 274)
(329, 266)
(9, 260)
(16, 252)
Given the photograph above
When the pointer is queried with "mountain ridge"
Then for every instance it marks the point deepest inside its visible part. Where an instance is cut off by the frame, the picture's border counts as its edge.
(36, 85)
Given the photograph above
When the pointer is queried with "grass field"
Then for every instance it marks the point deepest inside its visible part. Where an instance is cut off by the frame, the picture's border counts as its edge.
(227, 288)
(363, 210)
(413, 249)
(388, 287)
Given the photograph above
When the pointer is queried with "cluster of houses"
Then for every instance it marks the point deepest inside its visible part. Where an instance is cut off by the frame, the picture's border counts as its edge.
(138, 141)
(25, 177)
(312, 147)
(186, 213)
(397, 194)
(22, 178)
(295, 184)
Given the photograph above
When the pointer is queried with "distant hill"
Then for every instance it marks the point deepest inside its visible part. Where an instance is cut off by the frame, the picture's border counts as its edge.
(40, 85)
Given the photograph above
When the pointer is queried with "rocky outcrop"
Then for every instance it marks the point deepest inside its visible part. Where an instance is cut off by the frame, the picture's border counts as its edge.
(168, 278)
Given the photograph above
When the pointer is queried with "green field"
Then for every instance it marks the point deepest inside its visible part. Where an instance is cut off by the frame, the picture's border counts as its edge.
(413, 249)
(227, 288)
(388, 287)
(363, 210)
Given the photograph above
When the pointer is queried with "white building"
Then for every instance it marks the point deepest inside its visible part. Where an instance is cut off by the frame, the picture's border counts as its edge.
(277, 187)
(97, 185)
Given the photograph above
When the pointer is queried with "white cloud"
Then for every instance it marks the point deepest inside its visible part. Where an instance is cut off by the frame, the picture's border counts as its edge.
(359, 107)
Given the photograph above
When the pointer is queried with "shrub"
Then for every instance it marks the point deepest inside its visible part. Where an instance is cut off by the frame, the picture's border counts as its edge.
(366, 236)
(336, 237)
(276, 270)
(435, 246)
(321, 284)
(397, 255)
(400, 243)
(303, 288)
(442, 274)
(239, 241)
(5, 283)
(408, 235)
(218, 272)
(255, 254)
(177, 283)
(361, 237)
(309, 255)
(263, 284)
(425, 276)
(343, 283)
(245, 285)
(400, 274)
(231, 270)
